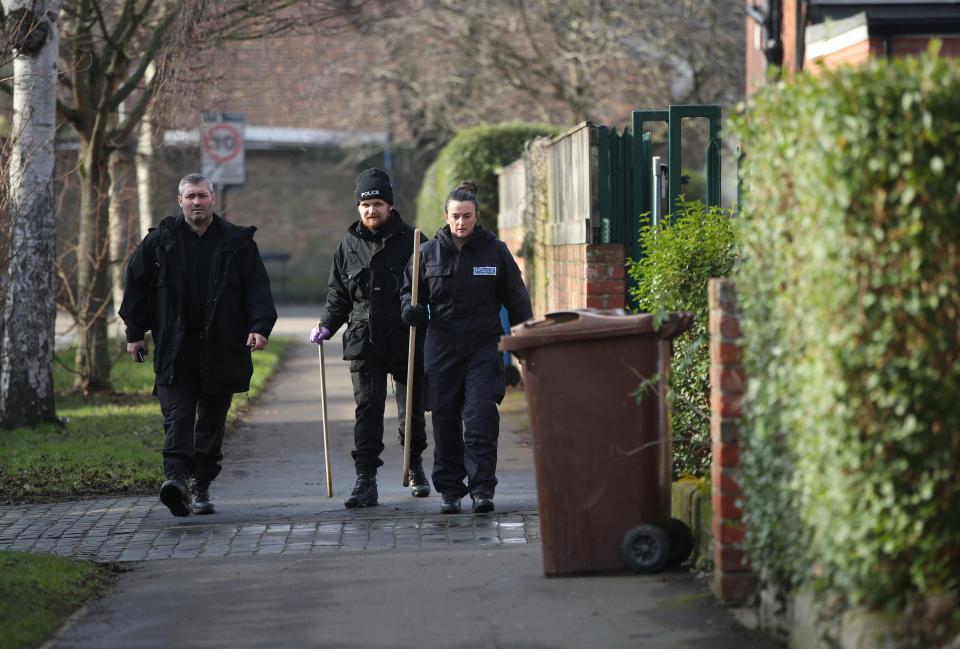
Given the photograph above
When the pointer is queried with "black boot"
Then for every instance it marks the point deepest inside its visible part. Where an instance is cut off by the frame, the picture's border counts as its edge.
(449, 504)
(419, 486)
(200, 497)
(482, 503)
(174, 494)
(364, 491)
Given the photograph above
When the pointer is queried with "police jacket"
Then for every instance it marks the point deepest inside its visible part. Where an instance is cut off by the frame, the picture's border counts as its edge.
(239, 303)
(465, 289)
(364, 291)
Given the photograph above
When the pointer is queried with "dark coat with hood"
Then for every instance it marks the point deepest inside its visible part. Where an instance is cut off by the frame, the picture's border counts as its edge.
(366, 276)
(240, 303)
(465, 289)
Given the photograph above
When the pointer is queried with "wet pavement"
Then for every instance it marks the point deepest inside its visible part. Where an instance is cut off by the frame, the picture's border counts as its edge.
(114, 530)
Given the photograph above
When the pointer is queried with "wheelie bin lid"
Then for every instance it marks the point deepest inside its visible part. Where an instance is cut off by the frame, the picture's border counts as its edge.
(584, 324)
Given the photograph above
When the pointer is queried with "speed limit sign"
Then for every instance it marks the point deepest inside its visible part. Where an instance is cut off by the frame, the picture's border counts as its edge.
(221, 141)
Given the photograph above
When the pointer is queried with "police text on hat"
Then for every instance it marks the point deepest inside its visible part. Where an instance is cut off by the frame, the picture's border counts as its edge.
(374, 184)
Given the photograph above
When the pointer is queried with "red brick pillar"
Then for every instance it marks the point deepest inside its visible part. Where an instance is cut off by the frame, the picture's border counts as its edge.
(604, 274)
(733, 582)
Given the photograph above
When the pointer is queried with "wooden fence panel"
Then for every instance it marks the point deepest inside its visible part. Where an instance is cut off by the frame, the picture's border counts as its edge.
(572, 186)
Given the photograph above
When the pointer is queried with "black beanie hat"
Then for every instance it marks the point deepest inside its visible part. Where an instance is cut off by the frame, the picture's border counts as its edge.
(374, 183)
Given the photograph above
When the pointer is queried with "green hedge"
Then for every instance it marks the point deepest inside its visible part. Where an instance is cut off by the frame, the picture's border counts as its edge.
(474, 154)
(672, 276)
(851, 300)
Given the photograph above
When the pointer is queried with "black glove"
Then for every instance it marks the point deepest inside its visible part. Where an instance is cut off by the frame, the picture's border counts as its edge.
(415, 316)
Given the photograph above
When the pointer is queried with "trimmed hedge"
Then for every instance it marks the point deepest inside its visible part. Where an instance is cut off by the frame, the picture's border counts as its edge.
(851, 313)
(672, 276)
(474, 154)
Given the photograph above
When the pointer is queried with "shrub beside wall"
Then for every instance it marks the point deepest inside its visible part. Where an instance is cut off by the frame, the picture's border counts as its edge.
(680, 258)
(851, 304)
(475, 154)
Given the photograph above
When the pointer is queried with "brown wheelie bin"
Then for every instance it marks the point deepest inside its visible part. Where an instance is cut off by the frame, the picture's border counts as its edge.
(602, 454)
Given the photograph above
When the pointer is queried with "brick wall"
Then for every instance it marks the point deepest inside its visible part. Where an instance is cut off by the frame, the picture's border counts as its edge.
(584, 276)
(733, 581)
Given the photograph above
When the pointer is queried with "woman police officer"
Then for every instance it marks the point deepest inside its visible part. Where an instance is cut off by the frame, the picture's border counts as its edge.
(466, 276)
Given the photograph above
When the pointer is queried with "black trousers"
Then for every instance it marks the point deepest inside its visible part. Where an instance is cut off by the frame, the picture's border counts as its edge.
(464, 393)
(194, 424)
(370, 394)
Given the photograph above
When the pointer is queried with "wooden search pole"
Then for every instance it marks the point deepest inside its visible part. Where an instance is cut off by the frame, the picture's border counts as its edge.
(323, 411)
(411, 349)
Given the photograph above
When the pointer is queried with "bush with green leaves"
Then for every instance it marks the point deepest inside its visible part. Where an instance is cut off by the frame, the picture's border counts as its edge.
(672, 276)
(474, 154)
(850, 293)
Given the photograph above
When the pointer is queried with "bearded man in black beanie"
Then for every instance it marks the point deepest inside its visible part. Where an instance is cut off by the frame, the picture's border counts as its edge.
(364, 292)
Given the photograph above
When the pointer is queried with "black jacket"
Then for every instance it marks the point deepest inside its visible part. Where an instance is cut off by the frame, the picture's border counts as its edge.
(364, 291)
(239, 296)
(466, 288)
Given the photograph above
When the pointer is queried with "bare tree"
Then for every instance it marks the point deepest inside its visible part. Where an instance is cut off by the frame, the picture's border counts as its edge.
(29, 310)
(447, 64)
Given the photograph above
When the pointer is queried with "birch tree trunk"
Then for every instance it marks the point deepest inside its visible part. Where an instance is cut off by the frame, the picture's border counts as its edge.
(145, 159)
(122, 221)
(29, 308)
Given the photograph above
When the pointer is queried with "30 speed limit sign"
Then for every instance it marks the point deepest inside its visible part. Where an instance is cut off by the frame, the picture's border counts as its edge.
(223, 151)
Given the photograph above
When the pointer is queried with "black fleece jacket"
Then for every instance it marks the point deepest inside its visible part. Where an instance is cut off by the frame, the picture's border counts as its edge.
(364, 291)
(239, 302)
(465, 288)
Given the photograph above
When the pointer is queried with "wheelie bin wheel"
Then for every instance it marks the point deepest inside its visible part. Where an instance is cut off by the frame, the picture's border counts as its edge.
(681, 542)
(645, 549)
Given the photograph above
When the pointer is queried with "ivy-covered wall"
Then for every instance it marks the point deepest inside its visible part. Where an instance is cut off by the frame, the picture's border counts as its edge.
(851, 314)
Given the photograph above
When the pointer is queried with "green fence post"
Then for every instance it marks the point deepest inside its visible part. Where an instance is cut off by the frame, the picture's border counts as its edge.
(642, 197)
(603, 175)
(616, 177)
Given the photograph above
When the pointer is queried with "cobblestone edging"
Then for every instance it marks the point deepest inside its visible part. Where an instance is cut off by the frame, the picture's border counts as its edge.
(112, 530)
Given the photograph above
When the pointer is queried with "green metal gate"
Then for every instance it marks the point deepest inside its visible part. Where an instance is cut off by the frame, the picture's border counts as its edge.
(626, 175)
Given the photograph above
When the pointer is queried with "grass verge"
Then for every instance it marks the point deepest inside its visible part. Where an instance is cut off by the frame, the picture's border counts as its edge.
(37, 592)
(110, 443)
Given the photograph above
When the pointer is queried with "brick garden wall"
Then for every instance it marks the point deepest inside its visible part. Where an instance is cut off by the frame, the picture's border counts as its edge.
(584, 276)
(733, 581)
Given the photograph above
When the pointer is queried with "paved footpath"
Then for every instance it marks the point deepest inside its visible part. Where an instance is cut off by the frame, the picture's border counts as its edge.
(282, 565)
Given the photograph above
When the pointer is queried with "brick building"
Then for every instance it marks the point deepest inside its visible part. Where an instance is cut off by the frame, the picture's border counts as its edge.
(798, 35)
(306, 137)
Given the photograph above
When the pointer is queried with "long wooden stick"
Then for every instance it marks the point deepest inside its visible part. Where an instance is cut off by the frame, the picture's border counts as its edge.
(323, 410)
(411, 349)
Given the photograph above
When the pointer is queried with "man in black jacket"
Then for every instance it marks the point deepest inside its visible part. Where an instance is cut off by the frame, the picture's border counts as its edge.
(364, 292)
(199, 285)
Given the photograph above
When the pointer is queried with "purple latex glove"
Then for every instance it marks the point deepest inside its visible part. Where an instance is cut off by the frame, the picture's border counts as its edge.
(319, 334)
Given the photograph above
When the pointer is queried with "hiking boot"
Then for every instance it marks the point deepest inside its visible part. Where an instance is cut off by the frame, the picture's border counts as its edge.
(174, 494)
(419, 486)
(481, 504)
(364, 492)
(450, 504)
(200, 497)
